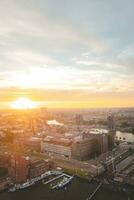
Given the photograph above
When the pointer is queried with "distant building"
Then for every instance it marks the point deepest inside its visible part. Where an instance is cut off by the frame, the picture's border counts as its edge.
(43, 110)
(44, 114)
(112, 130)
(111, 123)
(79, 119)
(34, 143)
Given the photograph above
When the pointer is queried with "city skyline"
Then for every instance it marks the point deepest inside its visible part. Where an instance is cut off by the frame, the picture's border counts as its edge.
(68, 54)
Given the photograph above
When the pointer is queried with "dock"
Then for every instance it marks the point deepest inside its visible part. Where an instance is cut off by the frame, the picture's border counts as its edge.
(53, 179)
(90, 196)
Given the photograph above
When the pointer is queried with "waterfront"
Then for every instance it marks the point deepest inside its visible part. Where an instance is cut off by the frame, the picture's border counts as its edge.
(79, 189)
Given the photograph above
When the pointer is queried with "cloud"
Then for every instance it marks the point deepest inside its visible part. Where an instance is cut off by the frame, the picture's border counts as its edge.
(70, 45)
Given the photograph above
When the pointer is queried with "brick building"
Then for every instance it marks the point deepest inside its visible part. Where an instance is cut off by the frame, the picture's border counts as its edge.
(38, 167)
(22, 168)
(18, 168)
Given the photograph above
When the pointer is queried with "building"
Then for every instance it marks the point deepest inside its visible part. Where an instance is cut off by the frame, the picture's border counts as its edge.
(4, 160)
(112, 130)
(34, 143)
(101, 137)
(57, 146)
(18, 168)
(78, 148)
(83, 149)
(38, 167)
(5, 182)
(22, 168)
(79, 119)
(111, 123)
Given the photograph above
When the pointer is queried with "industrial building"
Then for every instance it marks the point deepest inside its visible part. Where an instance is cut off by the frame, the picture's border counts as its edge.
(59, 146)
(82, 147)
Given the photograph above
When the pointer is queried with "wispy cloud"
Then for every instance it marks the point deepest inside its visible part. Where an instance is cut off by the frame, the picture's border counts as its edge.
(67, 45)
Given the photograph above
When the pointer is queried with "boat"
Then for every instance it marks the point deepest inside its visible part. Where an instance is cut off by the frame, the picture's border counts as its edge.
(32, 181)
(13, 189)
(63, 183)
(27, 184)
(21, 186)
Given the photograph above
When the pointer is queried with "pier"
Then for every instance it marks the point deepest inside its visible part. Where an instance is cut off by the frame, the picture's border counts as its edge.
(90, 196)
(53, 179)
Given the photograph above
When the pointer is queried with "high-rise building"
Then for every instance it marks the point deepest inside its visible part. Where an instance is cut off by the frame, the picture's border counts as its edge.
(79, 119)
(112, 130)
(111, 123)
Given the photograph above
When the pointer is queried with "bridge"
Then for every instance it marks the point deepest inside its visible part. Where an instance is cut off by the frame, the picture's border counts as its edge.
(90, 196)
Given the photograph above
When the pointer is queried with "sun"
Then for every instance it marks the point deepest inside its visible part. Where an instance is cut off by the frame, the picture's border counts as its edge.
(23, 103)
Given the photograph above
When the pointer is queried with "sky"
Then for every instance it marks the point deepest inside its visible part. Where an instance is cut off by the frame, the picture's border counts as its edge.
(67, 53)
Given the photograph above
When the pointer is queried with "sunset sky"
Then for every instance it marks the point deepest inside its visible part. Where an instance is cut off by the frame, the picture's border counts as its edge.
(67, 53)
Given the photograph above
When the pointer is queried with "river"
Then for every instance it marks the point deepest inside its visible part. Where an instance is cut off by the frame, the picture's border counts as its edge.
(77, 190)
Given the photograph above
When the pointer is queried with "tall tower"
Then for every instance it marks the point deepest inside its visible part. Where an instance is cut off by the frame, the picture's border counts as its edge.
(112, 130)
(79, 120)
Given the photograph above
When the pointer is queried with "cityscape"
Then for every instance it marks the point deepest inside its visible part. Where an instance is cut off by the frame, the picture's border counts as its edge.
(45, 146)
(66, 100)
